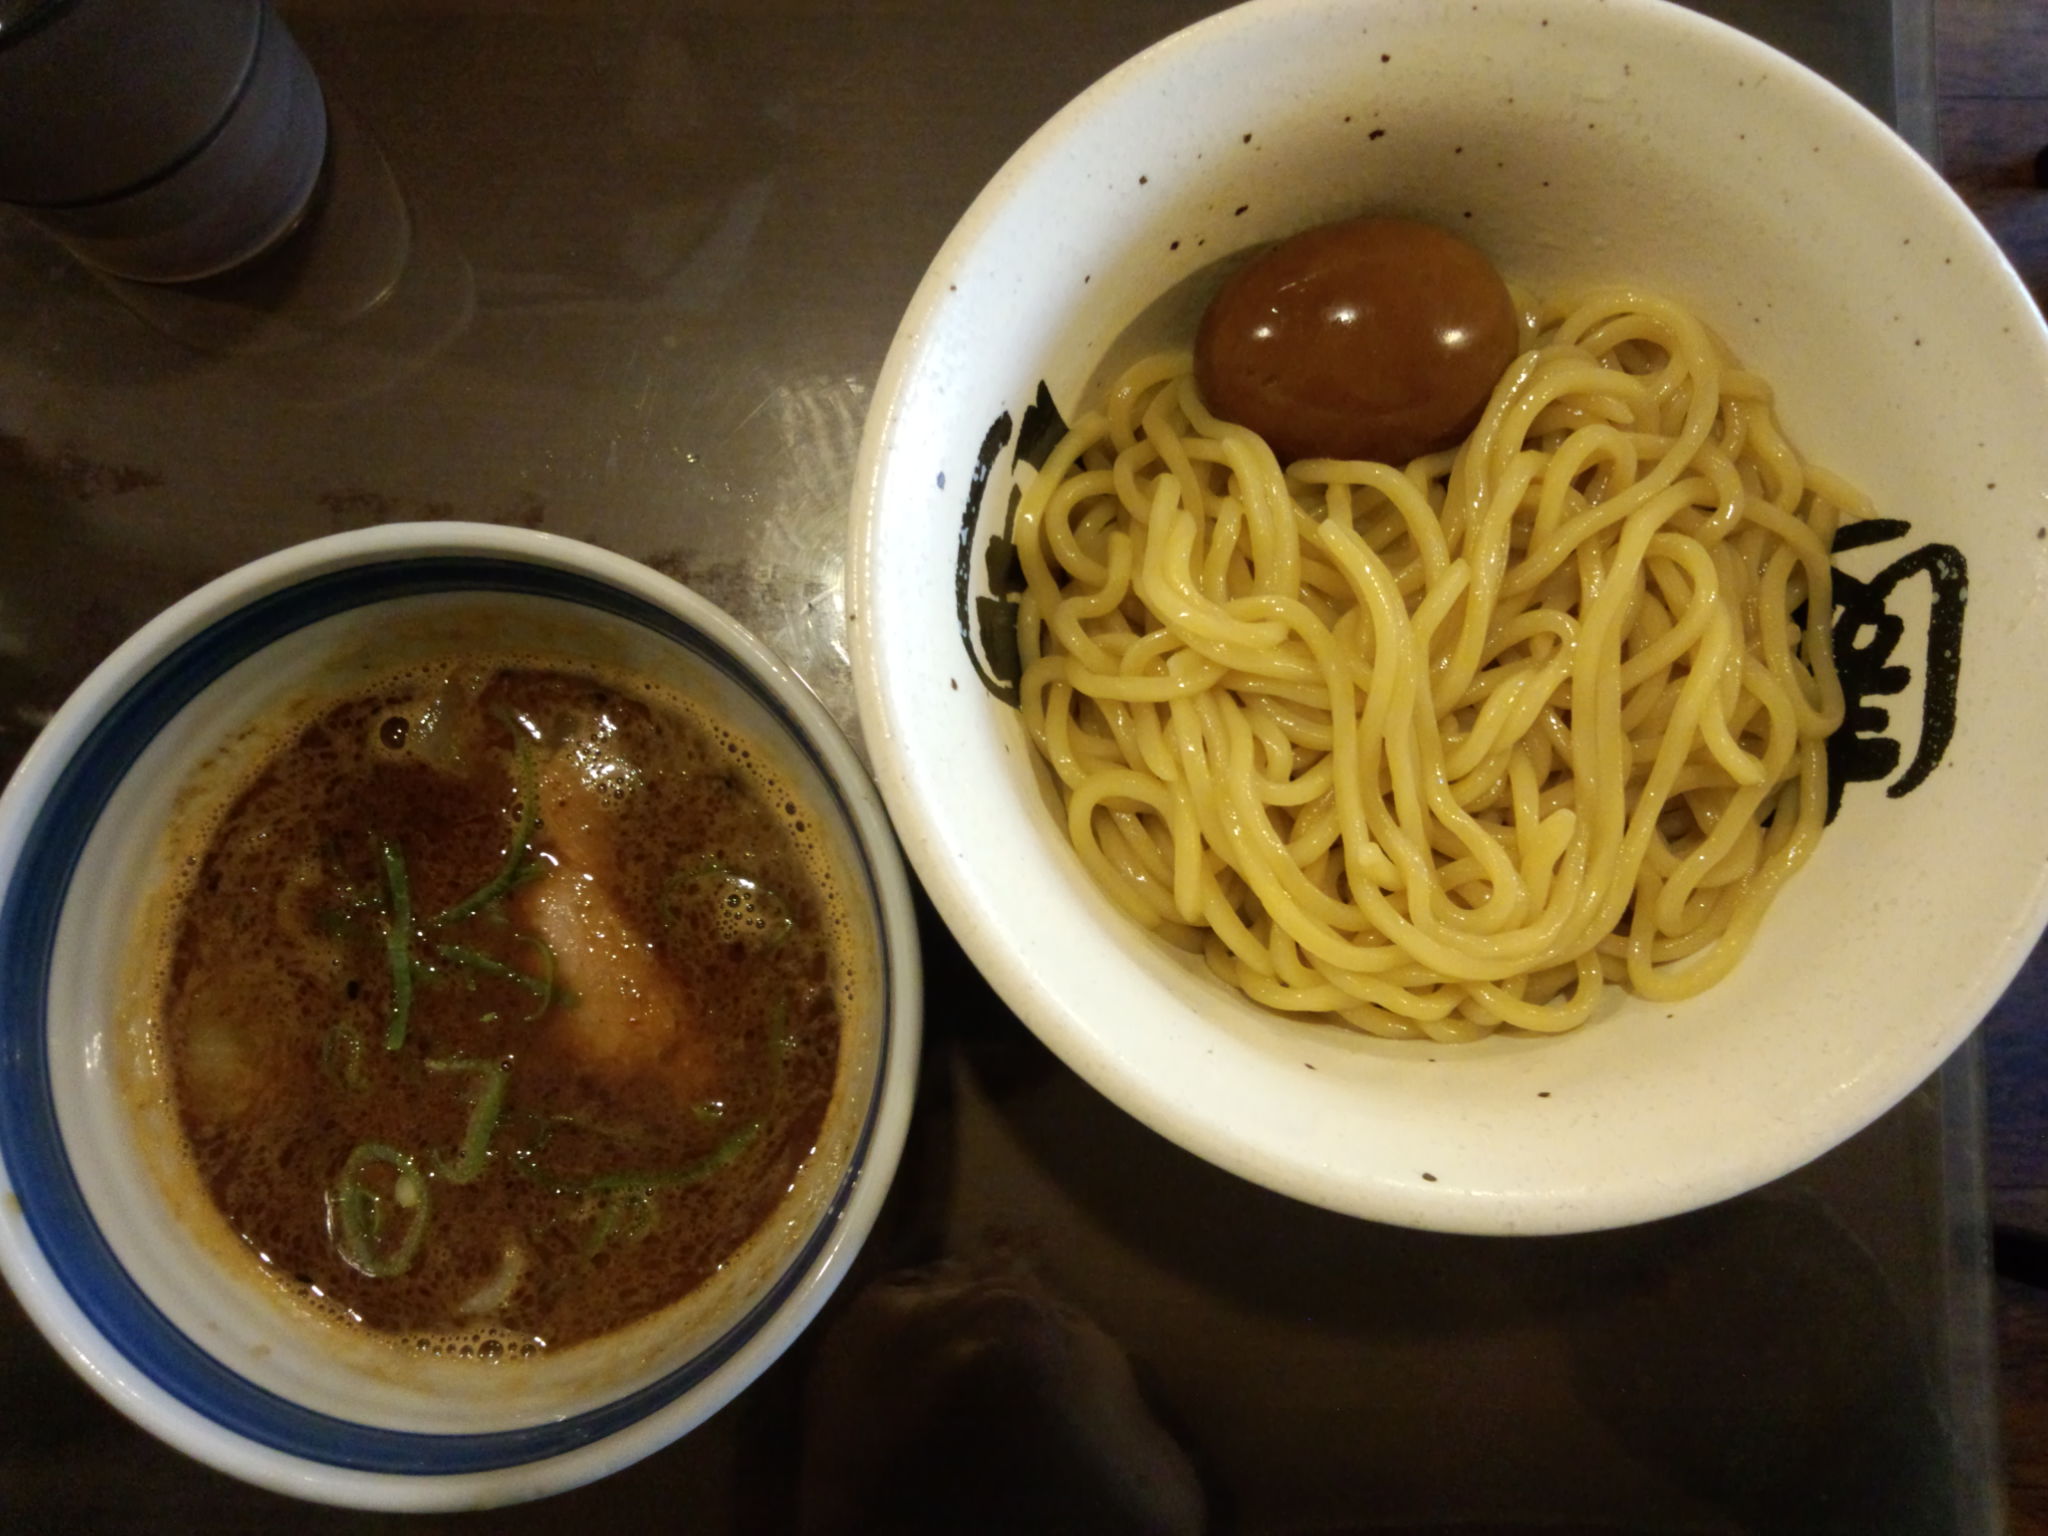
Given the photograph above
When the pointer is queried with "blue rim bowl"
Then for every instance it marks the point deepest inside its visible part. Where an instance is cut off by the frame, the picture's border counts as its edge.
(72, 1254)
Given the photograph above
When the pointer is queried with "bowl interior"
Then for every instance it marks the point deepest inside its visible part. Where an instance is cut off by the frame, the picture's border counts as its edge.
(1626, 142)
(127, 1255)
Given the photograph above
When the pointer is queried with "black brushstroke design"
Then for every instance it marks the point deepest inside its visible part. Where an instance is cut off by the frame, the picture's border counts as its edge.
(996, 614)
(996, 660)
(1042, 430)
(1861, 750)
(1002, 686)
(1000, 566)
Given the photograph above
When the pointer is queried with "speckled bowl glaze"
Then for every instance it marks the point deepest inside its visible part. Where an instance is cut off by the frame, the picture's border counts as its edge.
(163, 1314)
(1627, 140)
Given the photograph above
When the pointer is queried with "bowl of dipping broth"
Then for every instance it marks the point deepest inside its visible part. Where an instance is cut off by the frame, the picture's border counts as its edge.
(1442, 596)
(461, 1010)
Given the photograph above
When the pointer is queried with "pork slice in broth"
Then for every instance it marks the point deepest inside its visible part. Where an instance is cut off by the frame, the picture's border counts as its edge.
(630, 1017)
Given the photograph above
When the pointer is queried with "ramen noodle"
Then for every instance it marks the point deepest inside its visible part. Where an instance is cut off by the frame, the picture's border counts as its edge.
(1437, 748)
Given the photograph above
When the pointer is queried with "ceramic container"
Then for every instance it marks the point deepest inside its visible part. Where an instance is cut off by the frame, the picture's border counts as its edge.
(160, 1314)
(1575, 143)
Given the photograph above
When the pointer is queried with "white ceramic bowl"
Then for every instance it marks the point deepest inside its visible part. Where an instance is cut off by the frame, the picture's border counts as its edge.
(1574, 143)
(186, 1343)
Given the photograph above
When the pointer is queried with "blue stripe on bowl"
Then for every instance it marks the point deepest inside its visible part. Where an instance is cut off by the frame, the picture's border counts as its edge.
(33, 1150)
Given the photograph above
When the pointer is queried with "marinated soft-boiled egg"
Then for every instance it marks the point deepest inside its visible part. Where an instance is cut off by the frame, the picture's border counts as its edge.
(1373, 338)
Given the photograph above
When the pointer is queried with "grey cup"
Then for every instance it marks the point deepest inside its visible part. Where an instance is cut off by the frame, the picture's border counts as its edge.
(162, 140)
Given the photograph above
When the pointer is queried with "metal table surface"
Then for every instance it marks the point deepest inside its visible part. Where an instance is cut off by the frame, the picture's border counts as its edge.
(626, 271)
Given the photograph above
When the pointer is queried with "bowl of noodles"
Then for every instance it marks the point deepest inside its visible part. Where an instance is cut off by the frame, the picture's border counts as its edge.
(1594, 788)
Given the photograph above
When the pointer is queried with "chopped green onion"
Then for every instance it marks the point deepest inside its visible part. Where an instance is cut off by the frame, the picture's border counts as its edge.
(747, 889)
(496, 1291)
(542, 986)
(516, 871)
(342, 1057)
(678, 1178)
(398, 945)
(625, 1216)
(483, 1117)
(528, 1161)
(525, 874)
(477, 960)
(547, 976)
(358, 1214)
(676, 883)
(536, 1132)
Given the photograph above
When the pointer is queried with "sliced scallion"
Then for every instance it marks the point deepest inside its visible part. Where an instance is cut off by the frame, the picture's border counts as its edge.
(678, 1178)
(547, 975)
(343, 1057)
(542, 986)
(624, 1216)
(527, 1159)
(516, 870)
(476, 960)
(496, 1291)
(768, 903)
(484, 1114)
(398, 945)
(358, 1213)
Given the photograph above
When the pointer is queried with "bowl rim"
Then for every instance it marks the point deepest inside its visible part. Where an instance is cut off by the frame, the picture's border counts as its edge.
(411, 1471)
(1039, 1001)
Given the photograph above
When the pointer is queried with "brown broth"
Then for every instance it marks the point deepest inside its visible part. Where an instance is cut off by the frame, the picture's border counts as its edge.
(651, 1120)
